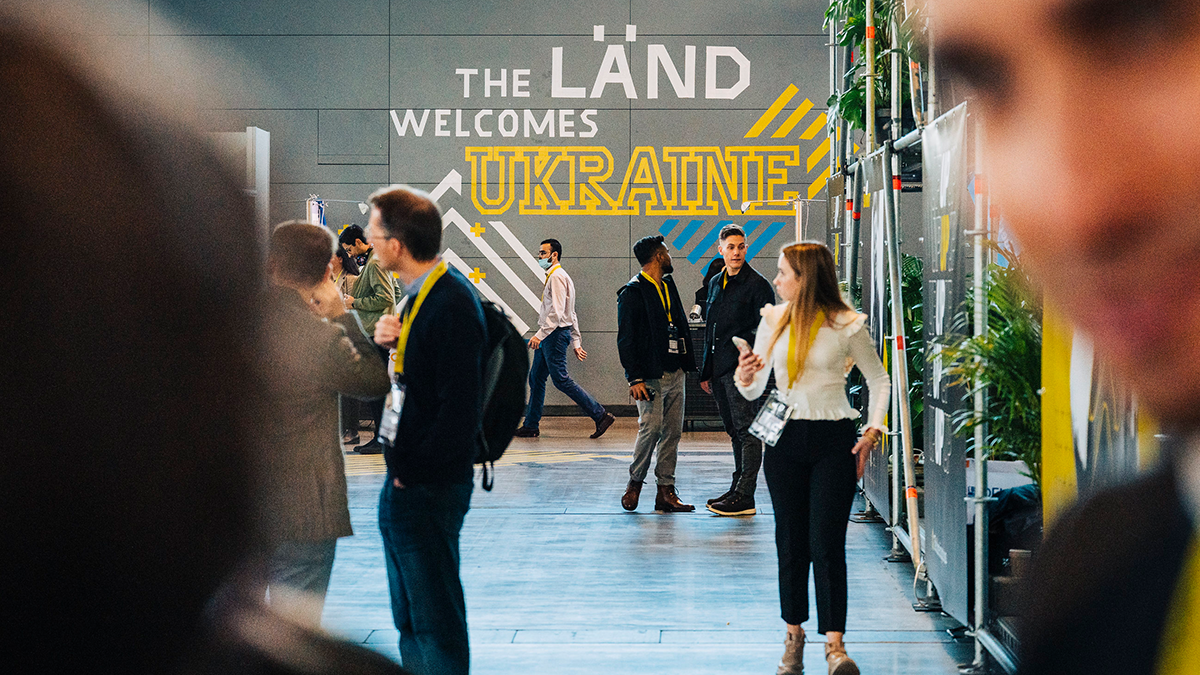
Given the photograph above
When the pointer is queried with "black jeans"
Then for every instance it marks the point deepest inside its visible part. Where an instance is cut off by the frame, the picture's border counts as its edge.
(812, 479)
(737, 414)
(375, 405)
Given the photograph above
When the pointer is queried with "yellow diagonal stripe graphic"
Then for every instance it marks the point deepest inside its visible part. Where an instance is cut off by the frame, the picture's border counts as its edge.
(771, 112)
(818, 184)
(814, 128)
(793, 119)
(818, 154)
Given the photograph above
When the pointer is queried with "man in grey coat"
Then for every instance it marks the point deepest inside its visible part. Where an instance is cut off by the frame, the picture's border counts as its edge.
(318, 350)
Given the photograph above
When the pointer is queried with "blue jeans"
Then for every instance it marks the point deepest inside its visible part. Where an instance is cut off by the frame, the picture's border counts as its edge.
(420, 526)
(550, 360)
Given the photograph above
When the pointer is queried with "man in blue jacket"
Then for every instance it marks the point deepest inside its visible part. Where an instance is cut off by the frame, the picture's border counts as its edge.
(656, 350)
(430, 429)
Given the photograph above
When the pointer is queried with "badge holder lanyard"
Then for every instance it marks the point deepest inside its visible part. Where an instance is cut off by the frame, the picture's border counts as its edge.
(777, 411)
(675, 345)
(394, 405)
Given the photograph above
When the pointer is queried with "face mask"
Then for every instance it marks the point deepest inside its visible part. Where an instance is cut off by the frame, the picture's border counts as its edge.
(545, 263)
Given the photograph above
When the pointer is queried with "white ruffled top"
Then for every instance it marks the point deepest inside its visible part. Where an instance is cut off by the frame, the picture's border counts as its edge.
(820, 391)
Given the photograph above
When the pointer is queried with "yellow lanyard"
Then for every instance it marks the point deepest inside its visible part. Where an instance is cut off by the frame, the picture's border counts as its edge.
(724, 279)
(1180, 651)
(410, 313)
(793, 360)
(548, 273)
(662, 294)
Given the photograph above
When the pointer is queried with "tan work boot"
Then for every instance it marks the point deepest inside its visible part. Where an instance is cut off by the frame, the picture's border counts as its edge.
(839, 663)
(629, 500)
(792, 661)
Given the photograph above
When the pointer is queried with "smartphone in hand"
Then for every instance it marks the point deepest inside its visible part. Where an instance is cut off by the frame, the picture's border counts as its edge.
(741, 344)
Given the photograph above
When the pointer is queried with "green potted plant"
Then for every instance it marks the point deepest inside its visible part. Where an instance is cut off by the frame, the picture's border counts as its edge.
(1006, 362)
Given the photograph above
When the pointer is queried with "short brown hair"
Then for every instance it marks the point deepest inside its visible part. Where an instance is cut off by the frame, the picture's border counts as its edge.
(410, 215)
(300, 252)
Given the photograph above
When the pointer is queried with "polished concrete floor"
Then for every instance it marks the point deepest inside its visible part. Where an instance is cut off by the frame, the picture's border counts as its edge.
(559, 579)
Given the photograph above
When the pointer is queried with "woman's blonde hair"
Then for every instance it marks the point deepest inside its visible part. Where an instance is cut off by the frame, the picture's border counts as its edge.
(813, 263)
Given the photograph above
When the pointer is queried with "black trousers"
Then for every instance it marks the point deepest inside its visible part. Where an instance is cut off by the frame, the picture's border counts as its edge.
(375, 406)
(811, 477)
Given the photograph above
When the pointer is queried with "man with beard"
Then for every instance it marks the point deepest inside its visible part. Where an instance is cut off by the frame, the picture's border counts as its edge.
(1069, 92)
(655, 349)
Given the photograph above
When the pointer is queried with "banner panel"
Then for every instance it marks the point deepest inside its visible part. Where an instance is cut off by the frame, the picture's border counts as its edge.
(947, 210)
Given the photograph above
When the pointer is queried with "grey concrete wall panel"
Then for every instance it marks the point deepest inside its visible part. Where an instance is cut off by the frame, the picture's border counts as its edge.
(428, 157)
(423, 71)
(294, 138)
(775, 62)
(287, 201)
(304, 72)
(512, 17)
(596, 283)
(273, 17)
(324, 78)
(748, 17)
(352, 137)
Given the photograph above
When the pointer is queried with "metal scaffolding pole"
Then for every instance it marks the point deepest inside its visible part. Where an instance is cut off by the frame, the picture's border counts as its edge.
(870, 121)
(981, 232)
(900, 358)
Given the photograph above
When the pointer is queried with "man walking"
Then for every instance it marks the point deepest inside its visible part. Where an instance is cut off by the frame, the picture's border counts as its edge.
(372, 296)
(558, 327)
(655, 349)
(430, 430)
(318, 350)
(735, 297)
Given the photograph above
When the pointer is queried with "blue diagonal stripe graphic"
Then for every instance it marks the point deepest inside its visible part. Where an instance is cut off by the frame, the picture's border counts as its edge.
(764, 239)
(707, 242)
(687, 233)
(748, 228)
(667, 226)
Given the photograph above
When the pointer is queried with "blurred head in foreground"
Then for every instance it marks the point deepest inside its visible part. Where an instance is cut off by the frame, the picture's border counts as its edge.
(126, 488)
(1091, 145)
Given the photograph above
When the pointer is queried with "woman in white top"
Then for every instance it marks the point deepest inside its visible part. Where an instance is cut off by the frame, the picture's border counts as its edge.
(811, 341)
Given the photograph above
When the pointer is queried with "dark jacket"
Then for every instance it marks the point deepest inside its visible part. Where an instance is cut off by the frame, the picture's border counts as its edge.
(642, 329)
(732, 310)
(437, 440)
(304, 495)
(1102, 583)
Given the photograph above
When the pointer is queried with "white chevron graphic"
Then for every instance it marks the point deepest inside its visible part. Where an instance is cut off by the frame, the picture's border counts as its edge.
(452, 216)
(451, 257)
(522, 252)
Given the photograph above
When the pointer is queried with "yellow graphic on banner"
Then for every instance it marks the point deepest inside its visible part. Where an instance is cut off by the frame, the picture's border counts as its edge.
(945, 243)
(669, 181)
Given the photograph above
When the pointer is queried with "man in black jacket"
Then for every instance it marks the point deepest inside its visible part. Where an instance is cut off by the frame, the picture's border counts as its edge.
(430, 430)
(735, 297)
(655, 349)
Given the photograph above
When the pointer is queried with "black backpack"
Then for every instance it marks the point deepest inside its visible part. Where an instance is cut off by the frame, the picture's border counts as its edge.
(505, 369)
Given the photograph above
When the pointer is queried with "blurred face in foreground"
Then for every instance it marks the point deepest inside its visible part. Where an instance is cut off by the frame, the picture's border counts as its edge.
(1092, 149)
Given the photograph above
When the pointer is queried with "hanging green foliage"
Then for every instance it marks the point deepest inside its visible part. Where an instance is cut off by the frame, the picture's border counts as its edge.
(851, 104)
(1007, 362)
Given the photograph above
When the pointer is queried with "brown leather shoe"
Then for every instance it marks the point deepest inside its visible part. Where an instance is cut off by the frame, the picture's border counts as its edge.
(629, 500)
(603, 424)
(667, 501)
(839, 663)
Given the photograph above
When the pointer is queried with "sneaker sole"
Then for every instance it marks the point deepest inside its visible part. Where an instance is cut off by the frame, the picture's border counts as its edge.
(745, 512)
